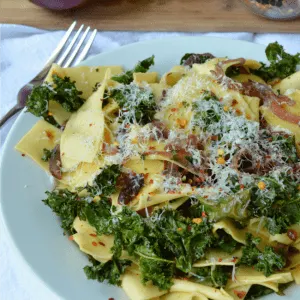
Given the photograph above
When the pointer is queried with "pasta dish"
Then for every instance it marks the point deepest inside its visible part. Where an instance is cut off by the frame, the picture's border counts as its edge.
(184, 186)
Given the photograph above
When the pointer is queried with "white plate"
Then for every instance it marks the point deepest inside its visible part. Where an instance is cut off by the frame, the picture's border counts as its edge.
(33, 228)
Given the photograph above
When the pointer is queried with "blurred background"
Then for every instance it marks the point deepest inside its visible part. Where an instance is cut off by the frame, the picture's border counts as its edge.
(156, 15)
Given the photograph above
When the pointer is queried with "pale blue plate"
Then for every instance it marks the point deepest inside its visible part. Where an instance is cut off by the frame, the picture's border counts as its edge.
(35, 232)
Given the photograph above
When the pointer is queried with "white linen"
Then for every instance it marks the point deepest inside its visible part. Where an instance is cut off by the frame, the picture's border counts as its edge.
(23, 51)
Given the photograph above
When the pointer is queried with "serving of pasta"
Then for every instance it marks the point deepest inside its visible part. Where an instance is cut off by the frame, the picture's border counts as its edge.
(179, 187)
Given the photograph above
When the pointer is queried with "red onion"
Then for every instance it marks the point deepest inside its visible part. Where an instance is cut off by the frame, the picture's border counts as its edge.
(58, 4)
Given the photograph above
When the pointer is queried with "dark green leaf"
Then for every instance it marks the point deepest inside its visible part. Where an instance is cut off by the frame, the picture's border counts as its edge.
(193, 58)
(256, 291)
(142, 67)
(46, 154)
(62, 90)
(137, 105)
(213, 276)
(279, 202)
(67, 206)
(105, 183)
(110, 271)
(281, 65)
(267, 261)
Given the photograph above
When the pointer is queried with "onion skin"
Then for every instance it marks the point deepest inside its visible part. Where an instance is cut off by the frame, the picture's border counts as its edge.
(58, 4)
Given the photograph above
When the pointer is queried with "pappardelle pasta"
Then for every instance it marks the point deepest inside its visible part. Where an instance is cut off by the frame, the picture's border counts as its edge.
(184, 187)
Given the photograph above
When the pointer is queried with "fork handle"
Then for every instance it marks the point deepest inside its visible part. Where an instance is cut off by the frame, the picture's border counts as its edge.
(9, 114)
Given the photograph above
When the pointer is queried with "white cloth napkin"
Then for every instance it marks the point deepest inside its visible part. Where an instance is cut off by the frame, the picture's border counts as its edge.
(24, 50)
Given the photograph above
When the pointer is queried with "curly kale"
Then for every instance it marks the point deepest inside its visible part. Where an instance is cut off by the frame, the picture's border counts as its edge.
(161, 253)
(257, 291)
(267, 261)
(105, 183)
(193, 58)
(62, 90)
(155, 268)
(109, 271)
(282, 64)
(216, 276)
(136, 103)
(46, 154)
(67, 206)
(141, 67)
(66, 93)
(278, 201)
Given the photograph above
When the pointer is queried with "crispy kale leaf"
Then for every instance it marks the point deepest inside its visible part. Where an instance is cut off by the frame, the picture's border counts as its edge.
(193, 58)
(287, 147)
(136, 103)
(38, 101)
(181, 237)
(142, 67)
(46, 154)
(213, 276)
(224, 207)
(105, 183)
(225, 242)
(159, 252)
(279, 202)
(154, 268)
(67, 206)
(63, 91)
(267, 261)
(66, 93)
(110, 271)
(256, 291)
(282, 64)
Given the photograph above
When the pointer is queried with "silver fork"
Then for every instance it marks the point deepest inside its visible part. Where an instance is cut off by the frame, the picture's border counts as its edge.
(66, 59)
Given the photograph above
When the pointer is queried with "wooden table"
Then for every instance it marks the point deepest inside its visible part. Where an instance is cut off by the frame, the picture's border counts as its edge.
(147, 15)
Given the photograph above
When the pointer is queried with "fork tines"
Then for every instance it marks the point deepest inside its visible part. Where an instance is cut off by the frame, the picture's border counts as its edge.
(73, 49)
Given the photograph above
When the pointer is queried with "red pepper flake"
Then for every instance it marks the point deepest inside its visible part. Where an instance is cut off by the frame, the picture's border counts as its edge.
(71, 238)
(174, 109)
(220, 259)
(93, 234)
(94, 244)
(214, 137)
(146, 175)
(49, 134)
(127, 125)
(102, 244)
(152, 148)
(111, 298)
(23, 154)
(234, 102)
(185, 278)
(170, 192)
(205, 197)
(268, 156)
(242, 186)
(234, 259)
(240, 294)
(292, 234)
(238, 112)
(151, 181)
(203, 214)
(91, 124)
